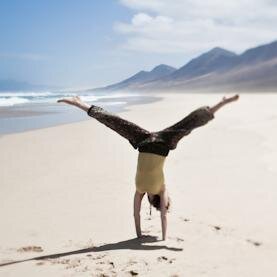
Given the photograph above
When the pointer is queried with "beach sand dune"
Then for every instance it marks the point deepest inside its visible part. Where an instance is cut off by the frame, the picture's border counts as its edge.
(66, 196)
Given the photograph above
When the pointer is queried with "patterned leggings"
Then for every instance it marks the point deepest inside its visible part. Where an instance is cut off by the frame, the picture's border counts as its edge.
(152, 142)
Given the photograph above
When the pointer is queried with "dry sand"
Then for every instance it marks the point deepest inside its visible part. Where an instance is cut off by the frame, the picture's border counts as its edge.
(67, 191)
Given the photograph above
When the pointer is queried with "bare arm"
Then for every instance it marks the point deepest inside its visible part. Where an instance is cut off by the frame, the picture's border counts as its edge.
(137, 205)
(163, 197)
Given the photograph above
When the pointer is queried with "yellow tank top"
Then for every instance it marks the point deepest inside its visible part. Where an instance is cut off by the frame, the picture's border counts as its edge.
(150, 176)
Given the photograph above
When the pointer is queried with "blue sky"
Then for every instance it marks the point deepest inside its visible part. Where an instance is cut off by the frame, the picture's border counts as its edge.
(58, 42)
(89, 43)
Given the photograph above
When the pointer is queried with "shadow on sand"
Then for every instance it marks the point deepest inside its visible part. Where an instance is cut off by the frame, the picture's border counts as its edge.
(132, 244)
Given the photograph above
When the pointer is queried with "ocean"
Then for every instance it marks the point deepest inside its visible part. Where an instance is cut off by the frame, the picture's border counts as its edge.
(23, 111)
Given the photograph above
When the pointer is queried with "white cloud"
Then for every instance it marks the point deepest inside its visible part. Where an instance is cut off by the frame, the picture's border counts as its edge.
(193, 26)
(141, 19)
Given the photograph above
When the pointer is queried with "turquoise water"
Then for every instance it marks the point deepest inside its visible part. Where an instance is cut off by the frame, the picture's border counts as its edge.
(27, 111)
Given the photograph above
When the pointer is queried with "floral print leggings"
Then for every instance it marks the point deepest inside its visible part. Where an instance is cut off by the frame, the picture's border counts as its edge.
(153, 142)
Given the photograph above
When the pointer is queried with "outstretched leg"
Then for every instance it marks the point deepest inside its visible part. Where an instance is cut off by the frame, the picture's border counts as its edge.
(223, 102)
(125, 128)
(201, 116)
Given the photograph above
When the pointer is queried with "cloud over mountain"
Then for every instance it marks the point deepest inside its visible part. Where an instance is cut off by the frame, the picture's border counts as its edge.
(185, 26)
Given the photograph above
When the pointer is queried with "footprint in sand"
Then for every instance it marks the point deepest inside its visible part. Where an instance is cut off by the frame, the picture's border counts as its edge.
(185, 219)
(111, 264)
(217, 228)
(253, 242)
(176, 239)
(96, 257)
(164, 258)
(171, 261)
(102, 274)
(133, 272)
(69, 263)
(40, 263)
(137, 267)
(30, 249)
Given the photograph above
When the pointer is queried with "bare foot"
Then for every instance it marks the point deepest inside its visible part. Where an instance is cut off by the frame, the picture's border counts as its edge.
(230, 99)
(223, 102)
(75, 100)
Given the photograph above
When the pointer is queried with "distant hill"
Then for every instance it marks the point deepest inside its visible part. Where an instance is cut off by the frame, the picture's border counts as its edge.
(216, 70)
(215, 59)
(142, 77)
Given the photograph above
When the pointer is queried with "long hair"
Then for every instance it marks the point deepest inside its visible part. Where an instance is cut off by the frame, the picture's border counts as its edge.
(156, 202)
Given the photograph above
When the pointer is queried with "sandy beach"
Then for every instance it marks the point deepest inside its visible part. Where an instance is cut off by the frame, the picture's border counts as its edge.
(67, 196)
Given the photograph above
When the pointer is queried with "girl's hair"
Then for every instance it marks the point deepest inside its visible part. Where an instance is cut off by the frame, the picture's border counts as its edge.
(156, 202)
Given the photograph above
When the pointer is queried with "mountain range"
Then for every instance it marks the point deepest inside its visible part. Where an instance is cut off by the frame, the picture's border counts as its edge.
(216, 70)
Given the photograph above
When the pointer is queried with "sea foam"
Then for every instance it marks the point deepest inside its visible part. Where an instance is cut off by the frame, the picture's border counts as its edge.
(16, 98)
(11, 101)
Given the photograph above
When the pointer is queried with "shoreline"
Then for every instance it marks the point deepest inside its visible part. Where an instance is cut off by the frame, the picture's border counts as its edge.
(31, 112)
